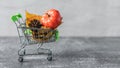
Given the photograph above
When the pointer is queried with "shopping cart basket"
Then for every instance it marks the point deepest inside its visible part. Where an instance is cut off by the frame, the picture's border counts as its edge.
(30, 36)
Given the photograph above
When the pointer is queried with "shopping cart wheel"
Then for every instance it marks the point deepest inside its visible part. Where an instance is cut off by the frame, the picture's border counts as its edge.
(49, 58)
(20, 59)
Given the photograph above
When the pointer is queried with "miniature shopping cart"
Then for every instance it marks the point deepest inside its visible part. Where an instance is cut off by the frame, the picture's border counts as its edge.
(30, 36)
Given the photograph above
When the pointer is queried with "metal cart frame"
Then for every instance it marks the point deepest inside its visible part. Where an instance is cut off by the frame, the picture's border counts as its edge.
(25, 38)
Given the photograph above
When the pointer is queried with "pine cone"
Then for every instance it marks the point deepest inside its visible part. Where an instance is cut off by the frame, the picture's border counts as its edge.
(35, 24)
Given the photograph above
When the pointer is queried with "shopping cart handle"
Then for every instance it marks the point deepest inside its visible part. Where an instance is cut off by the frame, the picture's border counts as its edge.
(19, 15)
(16, 17)
(56, 35)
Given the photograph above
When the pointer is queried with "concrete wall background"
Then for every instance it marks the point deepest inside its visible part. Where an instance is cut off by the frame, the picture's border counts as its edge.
(81, 17)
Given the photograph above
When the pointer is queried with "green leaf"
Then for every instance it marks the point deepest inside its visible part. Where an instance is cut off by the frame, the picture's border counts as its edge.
(28, 31)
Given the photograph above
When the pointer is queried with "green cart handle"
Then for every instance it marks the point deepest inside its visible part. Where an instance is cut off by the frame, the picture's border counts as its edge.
(16, 17)
(56, 35)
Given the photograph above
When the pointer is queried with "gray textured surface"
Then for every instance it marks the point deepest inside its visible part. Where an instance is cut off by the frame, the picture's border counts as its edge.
(81, 17)
(69, 52)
